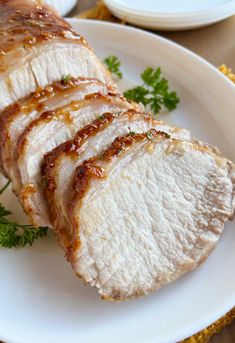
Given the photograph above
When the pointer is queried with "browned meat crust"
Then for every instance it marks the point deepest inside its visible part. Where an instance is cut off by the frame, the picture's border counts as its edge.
(35, 101)
(24, 24)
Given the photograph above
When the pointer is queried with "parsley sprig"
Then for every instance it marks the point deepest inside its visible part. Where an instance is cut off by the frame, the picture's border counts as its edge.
(5, 187)
(66, 78)
(13, 234)
(154, 92)
(113, 65)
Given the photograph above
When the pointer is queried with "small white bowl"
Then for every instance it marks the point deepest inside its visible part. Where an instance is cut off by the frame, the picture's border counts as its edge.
(62, 6)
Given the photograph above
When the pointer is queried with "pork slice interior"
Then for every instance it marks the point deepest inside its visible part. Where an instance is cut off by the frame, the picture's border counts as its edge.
(46, 133)
(60, 164)
(37, 48)
(143, 217)
(15, 118)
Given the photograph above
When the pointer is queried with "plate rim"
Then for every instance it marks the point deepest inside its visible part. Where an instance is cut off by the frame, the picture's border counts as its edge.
(172, 22)
(223, 79)
(198, 13)
(183, 49)
(220, 76)
(166, 24)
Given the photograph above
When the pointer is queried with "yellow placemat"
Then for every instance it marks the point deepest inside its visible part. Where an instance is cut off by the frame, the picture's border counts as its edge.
(101, 12)
(227, 72)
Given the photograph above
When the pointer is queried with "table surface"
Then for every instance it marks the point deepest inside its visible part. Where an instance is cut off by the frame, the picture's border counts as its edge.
(216, 43)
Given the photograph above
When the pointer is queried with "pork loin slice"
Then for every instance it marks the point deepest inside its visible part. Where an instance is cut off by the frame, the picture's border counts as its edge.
(44, 134)
(15, 118)
(59, 164)
(37, 47)
(146, 211)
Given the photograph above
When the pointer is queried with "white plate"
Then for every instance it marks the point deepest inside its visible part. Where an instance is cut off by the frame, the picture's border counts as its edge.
(43, 301)
(171, 15)
(62, 6)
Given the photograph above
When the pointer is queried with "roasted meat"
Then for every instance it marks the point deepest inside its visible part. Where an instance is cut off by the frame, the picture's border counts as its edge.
(60, 164)
(146, 211)
(47, 132)
(37, 47)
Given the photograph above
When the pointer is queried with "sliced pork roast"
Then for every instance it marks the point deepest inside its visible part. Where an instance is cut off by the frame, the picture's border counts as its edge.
(47, 132)
(146, 211)
(15, 118)
(37, 47)
(60, 164)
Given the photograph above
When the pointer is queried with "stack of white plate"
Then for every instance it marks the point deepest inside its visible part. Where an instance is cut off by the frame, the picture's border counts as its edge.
(171, 14)
(62, 6)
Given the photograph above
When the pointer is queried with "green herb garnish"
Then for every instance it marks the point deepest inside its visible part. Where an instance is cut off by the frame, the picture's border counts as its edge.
(66, 78)
(5, 187)
(149, 135)
(154, 92)
(101, 117)
(13, 234)
(113, 64)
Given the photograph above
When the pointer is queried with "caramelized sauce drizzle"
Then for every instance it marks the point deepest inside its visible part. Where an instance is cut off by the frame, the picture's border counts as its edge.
(24, 24)
(71, 147)
(90, 170)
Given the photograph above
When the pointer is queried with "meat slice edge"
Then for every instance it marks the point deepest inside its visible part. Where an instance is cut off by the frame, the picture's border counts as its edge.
(37, 48)
(15, 118)
(59, 165)
(144, 216)
(44, 134)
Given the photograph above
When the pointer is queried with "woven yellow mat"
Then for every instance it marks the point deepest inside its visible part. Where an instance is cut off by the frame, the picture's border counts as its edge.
(101, 12)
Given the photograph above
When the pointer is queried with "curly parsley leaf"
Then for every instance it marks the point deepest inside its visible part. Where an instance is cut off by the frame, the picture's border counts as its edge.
(3, 211)
(5, 187)
(8, 236)
(66, 78)
(113, 65)
(30, 234)
(137, 94)
(13, 234)
(154, 92)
